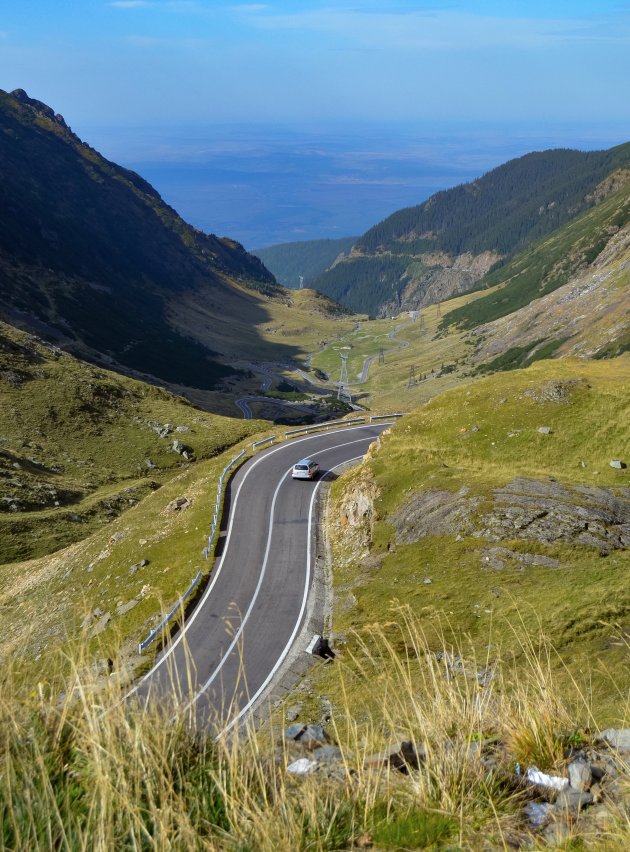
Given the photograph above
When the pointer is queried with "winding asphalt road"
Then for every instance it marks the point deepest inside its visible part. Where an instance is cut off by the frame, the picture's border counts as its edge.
(240, 633)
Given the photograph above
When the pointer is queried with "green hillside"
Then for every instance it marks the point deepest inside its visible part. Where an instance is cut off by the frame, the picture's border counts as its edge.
(500, 213)
(81, 445)
(309, 258)
(485, 525)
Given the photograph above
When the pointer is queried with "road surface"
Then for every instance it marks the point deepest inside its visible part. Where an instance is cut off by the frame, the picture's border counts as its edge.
(254, 607)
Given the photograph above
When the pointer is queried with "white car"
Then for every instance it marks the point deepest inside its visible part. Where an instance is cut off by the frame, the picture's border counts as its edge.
(305, 469)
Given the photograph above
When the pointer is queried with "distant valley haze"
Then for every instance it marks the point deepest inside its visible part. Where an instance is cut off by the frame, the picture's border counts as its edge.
(263, 184)
(300, 119)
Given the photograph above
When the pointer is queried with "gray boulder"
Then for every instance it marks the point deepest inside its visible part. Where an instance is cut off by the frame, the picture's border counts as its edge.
(182, 449)
(617, 738)
(580, 775)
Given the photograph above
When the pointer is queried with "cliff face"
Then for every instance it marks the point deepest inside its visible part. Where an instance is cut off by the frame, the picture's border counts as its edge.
(437, 276)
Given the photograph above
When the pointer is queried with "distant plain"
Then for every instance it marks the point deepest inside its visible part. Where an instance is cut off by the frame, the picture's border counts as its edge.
(268, 184)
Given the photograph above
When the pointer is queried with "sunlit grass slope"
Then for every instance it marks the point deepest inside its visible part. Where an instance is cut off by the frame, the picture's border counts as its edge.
(86, 479)
(466, 443)
(80, 444)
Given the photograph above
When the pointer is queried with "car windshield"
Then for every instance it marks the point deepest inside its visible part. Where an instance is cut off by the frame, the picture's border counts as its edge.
(301, 467)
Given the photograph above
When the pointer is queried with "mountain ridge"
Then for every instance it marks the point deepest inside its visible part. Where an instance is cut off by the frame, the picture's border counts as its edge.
(414, 257)
(90, 249)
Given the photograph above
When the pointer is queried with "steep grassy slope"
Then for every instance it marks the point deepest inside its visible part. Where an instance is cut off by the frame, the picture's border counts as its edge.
(81, 445)
(427, 253)
(91, 250)
(491, 530)
(309, 258)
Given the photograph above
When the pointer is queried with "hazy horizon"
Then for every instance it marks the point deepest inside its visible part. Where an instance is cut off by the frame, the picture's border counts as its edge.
(264, 184)
(357, 109)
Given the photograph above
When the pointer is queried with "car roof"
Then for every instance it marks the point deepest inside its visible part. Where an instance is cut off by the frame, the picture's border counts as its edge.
(304, 461)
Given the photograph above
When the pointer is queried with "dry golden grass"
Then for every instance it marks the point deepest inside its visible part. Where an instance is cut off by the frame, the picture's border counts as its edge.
(81, 770)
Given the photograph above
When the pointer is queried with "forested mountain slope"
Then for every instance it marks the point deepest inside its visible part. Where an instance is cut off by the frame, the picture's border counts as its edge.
(424, 254)
(568, 294)
(90, 252)
(308, 258)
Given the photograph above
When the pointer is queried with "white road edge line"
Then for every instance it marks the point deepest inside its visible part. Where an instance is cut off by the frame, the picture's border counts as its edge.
(263, 571)
(216, 573)
(307, 585)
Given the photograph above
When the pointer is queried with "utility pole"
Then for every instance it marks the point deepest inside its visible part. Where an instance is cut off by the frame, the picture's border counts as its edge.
(343, 393)
(439, 309)
(381, 356)
(412, 377)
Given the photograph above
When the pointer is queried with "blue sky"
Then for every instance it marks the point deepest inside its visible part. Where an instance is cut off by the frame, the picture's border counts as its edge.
(140, 62)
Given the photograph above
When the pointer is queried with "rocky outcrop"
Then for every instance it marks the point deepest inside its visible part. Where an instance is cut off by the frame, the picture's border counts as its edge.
(435, 276)
(356, 511)
(530, 510)
(548, 511)
(435, 513)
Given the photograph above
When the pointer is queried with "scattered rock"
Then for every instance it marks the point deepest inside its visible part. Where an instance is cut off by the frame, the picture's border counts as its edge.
(545, 430)
(180, 504)
(183, 450)
(150, 464)
(617, 464)
(497, 557)
(455, 665)
(538, 813)
(617, 738)
(427, 581)
(309, 736)
(571, 802)
(553, 391)
(162, 431)
(135, 568)
(182, 429)
(293, 712)
(327, 754)
(100, 625)
(580, 775)
(118, 536)
(302, 766)
(123, 608)
(403, 755)
(474, 428)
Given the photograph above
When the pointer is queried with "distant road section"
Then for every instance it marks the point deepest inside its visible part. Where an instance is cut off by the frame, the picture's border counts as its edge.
(254, 607)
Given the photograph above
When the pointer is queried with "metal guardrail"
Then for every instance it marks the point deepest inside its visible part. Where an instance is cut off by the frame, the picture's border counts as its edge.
(257, 444)
(144, 645)
(318, 426)
(385, 416)
(206, 551)
(217, 506)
